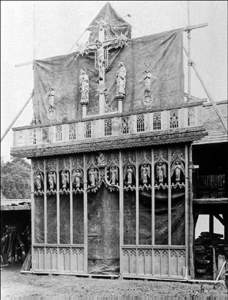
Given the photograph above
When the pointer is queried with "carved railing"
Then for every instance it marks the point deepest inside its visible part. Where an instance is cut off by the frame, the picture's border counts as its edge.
(210, 186)
(107, 126)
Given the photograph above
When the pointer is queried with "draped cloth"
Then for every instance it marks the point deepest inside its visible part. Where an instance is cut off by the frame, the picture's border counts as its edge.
(161, 54)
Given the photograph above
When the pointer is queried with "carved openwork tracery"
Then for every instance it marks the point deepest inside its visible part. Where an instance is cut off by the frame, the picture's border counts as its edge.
(103, 169)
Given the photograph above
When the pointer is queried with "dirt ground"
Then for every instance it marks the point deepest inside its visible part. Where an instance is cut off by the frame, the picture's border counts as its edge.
(15, 285)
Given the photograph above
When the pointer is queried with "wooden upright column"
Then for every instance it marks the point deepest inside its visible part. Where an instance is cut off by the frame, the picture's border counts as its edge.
(190, 218)
(121, 209)
(85, 217)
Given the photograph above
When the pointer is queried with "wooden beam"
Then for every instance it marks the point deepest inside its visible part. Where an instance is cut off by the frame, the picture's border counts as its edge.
(221, 220)
(137, 207)
(17, 116)
(211, 224)
(152, 210)
(210, 201)
(85, 216)
(187, 216)
(191, 220)
(121, 210)
(32, 214)
(219, 114)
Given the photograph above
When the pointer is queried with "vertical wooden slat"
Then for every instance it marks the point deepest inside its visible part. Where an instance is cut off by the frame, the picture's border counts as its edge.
(45, 212)
(186, 208)
(190, 257)
(152, 209)
(121, 211)
(32, 214)
(169, 207)
(85, 217)
(58, 203)
(71, 215)
(137, 208)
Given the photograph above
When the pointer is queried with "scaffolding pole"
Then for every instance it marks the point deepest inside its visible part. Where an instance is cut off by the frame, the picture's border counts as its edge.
(210, 98)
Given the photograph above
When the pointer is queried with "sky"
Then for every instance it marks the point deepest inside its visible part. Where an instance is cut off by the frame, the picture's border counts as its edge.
(43, 29)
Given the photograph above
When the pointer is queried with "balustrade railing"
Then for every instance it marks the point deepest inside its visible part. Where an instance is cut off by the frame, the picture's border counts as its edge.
(210, 186)
(111, 126)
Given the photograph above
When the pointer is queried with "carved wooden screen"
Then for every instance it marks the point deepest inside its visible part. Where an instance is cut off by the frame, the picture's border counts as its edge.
(58, 222)
(154, 213)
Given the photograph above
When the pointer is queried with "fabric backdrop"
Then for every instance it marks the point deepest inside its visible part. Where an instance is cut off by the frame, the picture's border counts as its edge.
(161, 53)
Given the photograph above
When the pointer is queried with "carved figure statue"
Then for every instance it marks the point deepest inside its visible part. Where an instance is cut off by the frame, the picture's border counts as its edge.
(100, 60)
(51, 100)
(177, 170)
(51, 180)
(129, 175)
(145, 173)
(84, 87)
(113, 175)
(147, 81)
(161, 172)
(65, 180)
(101, 160)
(38, 182)
(93, 176)
(121, 80)
(76, 178)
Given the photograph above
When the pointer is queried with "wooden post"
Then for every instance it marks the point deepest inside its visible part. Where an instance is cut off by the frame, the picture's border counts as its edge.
(211, 224)
(85, 217)
(225, 217)
(58, 203)
(71, 205)
(121, 210)
(169, 209)
(137, 208)
(45, 212)
(189, 51)
(152, 209)
(190, 219)
(32, 214)
(186, 211)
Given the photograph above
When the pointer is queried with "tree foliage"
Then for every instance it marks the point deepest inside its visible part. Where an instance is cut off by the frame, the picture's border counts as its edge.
(15, 179)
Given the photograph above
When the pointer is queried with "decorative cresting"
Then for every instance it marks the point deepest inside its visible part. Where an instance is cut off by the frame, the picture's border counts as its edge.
(51, 166)
(161, 169)
(144, 159)
(64, 175)
(38, 177)
(77, 174)
(178, 169)
(129, 171)
(102, 169)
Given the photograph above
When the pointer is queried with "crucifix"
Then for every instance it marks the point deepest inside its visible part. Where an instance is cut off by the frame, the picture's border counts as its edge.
(101, 64)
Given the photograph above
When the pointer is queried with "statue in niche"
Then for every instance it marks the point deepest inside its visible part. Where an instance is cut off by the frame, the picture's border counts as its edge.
(121, 80)
(113, 175)
(38, 182)
(93, 177)
(84, 87)
(65, 179)
(51, 180)
(51, 100)
(145, 173)
(161, 172)
(177, 171)
(77, 178)
(129, 175)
